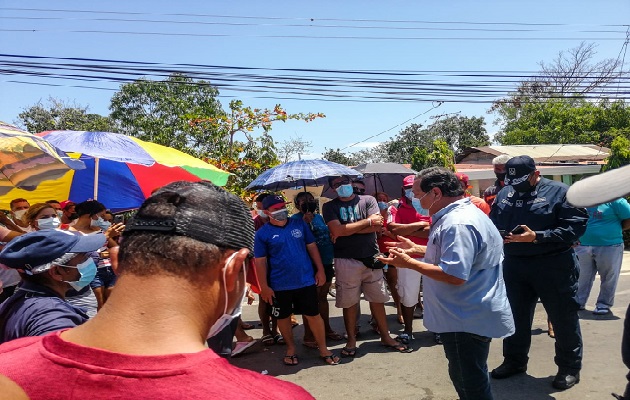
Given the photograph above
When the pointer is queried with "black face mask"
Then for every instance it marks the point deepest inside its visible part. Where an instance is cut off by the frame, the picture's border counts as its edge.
(73, 216)
(500, 177)
(358, 190)
(309, 206)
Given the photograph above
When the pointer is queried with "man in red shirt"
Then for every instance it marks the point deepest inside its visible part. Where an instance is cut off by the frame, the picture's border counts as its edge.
(412, 222)
(477, 201)
(148, 341)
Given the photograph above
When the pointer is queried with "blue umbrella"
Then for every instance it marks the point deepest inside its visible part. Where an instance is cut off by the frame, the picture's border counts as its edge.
(299, 173)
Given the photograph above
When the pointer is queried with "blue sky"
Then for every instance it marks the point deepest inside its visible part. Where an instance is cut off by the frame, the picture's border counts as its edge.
(355, 36)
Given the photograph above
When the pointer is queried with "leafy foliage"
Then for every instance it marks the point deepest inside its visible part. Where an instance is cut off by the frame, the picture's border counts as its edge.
(293, 147)
(59, 115)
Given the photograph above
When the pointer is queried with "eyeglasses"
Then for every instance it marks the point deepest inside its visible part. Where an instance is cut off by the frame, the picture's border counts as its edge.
(335, 185)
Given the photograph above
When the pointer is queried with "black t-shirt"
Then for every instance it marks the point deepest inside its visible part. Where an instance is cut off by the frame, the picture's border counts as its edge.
(359, 245)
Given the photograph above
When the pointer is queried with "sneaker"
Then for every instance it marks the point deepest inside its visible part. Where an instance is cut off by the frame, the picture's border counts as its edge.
(564, 381)
(601, 310)
(506, 370)
(241, 347)
(404, 338)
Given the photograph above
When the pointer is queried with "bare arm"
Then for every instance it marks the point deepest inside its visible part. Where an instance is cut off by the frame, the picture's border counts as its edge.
(6, 221)
(373, 223)
(261, 272)
(625, 224)
(401, 260)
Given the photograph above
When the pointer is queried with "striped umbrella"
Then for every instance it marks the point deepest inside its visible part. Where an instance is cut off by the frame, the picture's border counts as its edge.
(26, 160)
(121, 171)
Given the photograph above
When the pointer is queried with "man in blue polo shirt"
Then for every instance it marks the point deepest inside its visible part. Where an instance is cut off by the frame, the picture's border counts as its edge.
(50, 263)
(284, 249)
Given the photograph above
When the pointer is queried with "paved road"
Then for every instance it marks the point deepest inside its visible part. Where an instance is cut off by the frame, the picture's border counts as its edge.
(377, 373)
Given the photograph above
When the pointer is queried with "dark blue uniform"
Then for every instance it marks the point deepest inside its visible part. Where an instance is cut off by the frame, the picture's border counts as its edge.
(36, 310)
(545, 269)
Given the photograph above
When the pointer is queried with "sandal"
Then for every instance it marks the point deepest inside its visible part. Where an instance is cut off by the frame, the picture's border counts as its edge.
(399, 347)
(267, 340)
(331, 359)
(348, 352)
(290, 360)
(311, 345)
(278, 339)
(404, 338)
(334, 336)
(247, 326)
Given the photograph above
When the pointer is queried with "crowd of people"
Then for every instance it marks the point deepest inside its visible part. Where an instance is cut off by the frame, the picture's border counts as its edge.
(79, 289)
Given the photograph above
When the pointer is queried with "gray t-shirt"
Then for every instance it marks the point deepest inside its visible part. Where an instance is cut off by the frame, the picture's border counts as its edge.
(359, 245)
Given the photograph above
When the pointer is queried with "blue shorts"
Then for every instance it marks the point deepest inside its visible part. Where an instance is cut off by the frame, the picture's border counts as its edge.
(105, 277)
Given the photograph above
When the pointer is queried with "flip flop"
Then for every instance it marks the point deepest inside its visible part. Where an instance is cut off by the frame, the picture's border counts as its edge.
(348, 352)
(331, 359)
(399, 347)
(290, 360)
(247, 326)
(241, 347)
(334, 336)
(278, 339)
(267, 340)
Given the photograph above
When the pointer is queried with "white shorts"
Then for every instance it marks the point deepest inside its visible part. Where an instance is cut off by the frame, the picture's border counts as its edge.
(408, 286)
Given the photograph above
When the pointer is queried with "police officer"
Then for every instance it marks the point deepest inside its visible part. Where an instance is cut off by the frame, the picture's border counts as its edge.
(539, 229)
(50, 262)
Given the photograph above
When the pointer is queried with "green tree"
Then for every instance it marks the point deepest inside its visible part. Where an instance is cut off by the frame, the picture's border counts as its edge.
(460, 132)
(619, 153)
(59, 115)
(337, 156)
(161, 111)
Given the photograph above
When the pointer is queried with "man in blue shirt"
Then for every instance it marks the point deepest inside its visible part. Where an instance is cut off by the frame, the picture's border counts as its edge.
(50, 262)
(284, 249)
(601, 251)
(464, 293)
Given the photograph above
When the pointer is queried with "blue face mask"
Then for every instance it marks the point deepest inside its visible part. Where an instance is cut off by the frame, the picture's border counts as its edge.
(409, 194)
(382, 205)
(101, 223)
(344, 190)
(87, 270)
(416, 204)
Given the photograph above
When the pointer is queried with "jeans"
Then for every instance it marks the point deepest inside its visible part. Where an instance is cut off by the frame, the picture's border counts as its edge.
(554, 280)
(467, 356)
(605, 260)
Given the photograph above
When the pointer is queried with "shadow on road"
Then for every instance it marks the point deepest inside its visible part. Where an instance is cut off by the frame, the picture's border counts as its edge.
(523, 386)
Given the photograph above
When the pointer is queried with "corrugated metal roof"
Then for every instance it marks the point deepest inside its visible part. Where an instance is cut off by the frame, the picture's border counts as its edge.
(545, 152)
(477, 173)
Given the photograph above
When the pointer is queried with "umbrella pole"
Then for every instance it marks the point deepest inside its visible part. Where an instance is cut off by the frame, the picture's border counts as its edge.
(96, 160)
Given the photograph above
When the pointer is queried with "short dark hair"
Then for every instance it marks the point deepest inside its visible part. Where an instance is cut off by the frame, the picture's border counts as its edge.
(18, 200)
(441, 178)
(332, 178)
(90, 207)
(299, 196)
(52, 201)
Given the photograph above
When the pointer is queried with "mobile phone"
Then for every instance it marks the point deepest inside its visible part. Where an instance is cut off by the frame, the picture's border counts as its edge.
(517, 230)
(503, 233)
(118, 219)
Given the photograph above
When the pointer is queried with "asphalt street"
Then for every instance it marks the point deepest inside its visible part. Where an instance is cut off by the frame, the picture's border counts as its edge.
(378, 373)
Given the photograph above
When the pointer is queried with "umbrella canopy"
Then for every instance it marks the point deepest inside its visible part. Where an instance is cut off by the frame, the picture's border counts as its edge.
(295, 174)
(384, 177)
(26, 160)
(121, 185)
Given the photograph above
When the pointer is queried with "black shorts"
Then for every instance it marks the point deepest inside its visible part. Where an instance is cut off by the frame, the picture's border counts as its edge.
(329, 270)
(297, 301)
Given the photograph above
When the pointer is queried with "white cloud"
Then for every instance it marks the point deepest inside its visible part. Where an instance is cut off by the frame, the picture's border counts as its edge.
(366, 145)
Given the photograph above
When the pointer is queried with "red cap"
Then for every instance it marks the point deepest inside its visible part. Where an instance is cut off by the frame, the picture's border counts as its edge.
(408, 181)
(463, 178)
(66, 203)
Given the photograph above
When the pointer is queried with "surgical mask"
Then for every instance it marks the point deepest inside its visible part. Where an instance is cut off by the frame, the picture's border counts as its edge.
(225, 319)
(48, 223)
(409, 194)
(345, 190)
(101, 223)
(280, 215)
(382, 205)
(60, 214)
(425, 195)
(261, 213)
(87, 270)
(416, 204)
(19, 214)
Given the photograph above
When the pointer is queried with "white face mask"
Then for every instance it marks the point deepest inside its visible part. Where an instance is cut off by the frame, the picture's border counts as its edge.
(60, 214)
(261, 213)
(19, 214)
(225, 319)
(48, 223)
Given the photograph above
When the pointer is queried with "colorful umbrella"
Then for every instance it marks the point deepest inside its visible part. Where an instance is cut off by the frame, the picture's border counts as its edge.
(121, 185)
(26, 160)
(299, 173)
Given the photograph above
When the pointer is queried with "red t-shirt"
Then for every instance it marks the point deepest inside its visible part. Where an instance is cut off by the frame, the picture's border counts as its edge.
(48, 367)
(407, 215)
